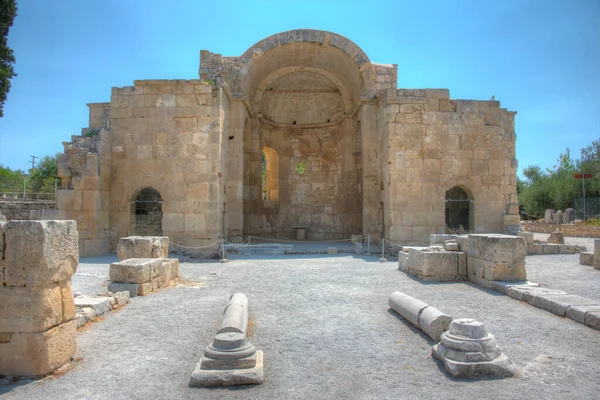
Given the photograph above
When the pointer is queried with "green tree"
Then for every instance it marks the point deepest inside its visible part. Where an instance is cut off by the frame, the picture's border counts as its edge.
(563, 186)
(43, 176)
(11, 181)
(557, 188)
(589, 163)
(8, 12)
(535, 196)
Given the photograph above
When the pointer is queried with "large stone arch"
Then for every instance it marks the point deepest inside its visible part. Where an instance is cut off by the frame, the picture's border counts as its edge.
(323, 50)
(303, 90)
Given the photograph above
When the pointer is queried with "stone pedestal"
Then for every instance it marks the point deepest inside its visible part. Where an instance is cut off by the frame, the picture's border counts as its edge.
(468, 351)
(230, 359)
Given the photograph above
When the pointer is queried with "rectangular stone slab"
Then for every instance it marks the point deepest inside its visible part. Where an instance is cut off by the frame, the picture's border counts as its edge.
(246, 362)
(34, 354)
(40, 252)
(143, 247)
(101, 305)
(132, 288)
(559, 303)
(498, 248)
(135, 270)
(229, 377)
(435, 265)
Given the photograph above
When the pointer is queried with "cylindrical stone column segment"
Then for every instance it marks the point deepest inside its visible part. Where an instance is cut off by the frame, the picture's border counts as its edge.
(408, 307)
(434, 322)
(235, 316)
(429, 319)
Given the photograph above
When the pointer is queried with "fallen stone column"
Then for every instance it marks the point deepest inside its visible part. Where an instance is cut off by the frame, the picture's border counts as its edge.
(426, 318)
(230, 359)
(37, 310)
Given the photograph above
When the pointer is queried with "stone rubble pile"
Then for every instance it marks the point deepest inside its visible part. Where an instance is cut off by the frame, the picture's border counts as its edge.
(230, 359)
(37, 311)
(89, 308)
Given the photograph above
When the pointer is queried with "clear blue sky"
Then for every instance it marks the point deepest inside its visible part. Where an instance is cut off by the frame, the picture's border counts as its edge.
(540, 58)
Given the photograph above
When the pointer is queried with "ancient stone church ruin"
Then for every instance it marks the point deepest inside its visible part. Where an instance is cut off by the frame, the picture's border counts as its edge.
(300, 130)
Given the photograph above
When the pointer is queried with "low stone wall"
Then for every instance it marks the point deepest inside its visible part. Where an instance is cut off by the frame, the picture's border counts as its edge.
(572, 230)
(27, 210)
(37, 310)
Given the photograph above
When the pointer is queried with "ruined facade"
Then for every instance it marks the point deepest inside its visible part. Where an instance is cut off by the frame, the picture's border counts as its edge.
(301, 130)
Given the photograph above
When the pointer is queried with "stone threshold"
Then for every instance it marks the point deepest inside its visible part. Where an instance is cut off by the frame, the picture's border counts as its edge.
(579, 309)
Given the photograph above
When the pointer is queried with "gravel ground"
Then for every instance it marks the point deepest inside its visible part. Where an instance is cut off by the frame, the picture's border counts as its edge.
(326, 331)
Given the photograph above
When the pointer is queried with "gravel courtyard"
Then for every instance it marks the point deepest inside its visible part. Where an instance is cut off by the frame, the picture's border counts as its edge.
(326, 331)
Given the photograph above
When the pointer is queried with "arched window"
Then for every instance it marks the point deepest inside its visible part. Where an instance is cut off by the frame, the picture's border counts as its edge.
(270, 174)
(146, 213)
(459, 211)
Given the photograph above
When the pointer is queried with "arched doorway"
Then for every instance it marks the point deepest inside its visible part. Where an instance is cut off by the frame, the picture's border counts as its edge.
(459, 211)
(146, 213)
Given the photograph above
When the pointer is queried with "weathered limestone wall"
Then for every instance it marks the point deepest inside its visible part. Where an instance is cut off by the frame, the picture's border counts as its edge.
(167, 135)
(326, 197)
(433, 143)
(37, 310)
(573, 230)
(85, 169)
(22, 210)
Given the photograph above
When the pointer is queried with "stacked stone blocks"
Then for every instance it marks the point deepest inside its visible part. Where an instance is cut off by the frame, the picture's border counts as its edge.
(495, 257)
(143, 267)
(37, 311)
(479, 257)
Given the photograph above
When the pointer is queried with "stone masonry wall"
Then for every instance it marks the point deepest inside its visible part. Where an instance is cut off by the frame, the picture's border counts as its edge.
(325, 197)
(21, 210)
(432, 143)
(168, 135)
(571, 230)
(85, 169)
